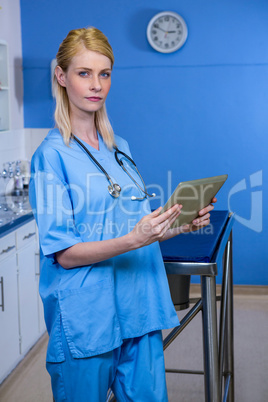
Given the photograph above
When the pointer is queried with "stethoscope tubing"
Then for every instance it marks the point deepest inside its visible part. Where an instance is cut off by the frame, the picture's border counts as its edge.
(114, 188)
(93, 158)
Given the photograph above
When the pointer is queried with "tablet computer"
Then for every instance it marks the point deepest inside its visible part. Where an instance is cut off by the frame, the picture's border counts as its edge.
(193, 196)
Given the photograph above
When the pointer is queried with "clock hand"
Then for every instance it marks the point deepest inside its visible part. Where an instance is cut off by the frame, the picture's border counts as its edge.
(165, 30)
(161, 29)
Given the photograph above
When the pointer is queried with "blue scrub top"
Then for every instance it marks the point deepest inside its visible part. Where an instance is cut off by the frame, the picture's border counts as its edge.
(98, 305)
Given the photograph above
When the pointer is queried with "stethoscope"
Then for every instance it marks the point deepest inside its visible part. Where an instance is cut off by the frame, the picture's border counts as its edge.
(114, 188)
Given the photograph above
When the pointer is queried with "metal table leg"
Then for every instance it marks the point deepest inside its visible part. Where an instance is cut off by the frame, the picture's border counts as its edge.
(211, 361)
(224, 310)
(229, 345)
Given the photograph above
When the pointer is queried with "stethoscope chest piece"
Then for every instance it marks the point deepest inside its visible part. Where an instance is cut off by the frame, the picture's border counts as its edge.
(114, 190)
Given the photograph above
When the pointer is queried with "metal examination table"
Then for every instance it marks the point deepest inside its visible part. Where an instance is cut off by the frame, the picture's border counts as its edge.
(207, 253)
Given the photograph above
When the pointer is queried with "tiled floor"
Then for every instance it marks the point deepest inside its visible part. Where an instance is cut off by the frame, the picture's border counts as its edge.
(29, 382)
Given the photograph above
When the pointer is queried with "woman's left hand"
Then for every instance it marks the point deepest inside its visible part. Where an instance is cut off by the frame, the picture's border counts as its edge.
(198, 223)
(202, 220)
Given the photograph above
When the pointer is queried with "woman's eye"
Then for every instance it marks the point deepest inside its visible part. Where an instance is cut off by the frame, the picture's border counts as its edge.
(83, 73)
(105, 75)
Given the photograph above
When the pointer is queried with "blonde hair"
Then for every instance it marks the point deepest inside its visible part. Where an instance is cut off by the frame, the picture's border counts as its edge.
(94, 40)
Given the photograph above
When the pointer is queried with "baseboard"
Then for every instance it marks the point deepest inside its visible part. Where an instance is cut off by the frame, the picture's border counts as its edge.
(239, 290)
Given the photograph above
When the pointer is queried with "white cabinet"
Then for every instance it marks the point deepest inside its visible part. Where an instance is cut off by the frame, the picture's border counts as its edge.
(21, 310)
(4, 88)
(9, 317)
(27, 286)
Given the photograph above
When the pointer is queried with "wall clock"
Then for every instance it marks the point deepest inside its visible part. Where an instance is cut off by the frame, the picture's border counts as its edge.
(167, 32)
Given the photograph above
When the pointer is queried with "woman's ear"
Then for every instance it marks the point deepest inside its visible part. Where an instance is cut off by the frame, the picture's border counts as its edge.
(60, 75)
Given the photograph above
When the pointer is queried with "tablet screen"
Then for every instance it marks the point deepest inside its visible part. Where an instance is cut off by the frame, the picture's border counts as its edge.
(194, 195)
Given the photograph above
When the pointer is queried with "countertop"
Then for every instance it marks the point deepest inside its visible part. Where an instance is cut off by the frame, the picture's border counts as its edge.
(15, 211)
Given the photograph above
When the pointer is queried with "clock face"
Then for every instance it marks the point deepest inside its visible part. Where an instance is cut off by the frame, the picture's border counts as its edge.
(167, 32)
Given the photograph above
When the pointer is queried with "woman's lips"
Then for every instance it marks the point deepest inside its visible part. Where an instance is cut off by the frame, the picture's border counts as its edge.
(94, 98)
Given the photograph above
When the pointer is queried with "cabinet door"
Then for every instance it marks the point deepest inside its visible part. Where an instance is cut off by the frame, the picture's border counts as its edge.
(28, 301)
(9, 321)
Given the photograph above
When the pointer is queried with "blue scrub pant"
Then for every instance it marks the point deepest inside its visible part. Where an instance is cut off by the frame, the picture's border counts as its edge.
(135, 372)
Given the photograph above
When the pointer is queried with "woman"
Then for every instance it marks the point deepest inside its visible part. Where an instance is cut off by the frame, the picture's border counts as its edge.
(103, 283)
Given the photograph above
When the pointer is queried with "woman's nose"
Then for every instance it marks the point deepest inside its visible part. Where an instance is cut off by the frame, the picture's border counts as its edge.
(95, 84)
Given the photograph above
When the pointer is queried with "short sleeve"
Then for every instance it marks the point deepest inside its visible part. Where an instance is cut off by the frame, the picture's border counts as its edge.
(51, 203)
(122, 145)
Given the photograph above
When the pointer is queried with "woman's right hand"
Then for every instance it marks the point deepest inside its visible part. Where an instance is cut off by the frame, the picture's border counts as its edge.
(152, 227)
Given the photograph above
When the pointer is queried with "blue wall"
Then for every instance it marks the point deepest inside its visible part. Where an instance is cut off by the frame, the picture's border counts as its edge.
(198, 112)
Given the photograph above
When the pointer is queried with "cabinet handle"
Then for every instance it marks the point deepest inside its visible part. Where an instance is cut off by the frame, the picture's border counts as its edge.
(28, 236)
(6, 250)
(2, 293)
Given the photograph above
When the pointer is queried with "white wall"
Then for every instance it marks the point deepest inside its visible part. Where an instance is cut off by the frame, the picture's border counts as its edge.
(10, 31)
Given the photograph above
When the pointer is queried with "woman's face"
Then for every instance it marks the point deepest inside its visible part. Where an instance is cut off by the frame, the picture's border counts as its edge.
(87, 81)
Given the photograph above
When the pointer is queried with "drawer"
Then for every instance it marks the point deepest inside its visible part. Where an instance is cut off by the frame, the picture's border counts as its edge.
(25, 234)
(7, 245)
